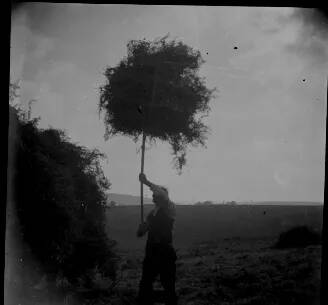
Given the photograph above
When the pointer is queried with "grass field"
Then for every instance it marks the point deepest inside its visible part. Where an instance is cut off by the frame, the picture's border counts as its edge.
(197, 224)
(235, 271)
(226, 255)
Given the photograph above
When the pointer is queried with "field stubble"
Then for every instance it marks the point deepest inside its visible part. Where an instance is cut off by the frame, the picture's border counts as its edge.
(227, 256)
(235, 272)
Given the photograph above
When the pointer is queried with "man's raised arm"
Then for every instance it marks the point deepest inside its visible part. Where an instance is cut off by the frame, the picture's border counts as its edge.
(143, 179)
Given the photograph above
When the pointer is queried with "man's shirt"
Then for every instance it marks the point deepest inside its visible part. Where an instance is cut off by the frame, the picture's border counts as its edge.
(160, 227)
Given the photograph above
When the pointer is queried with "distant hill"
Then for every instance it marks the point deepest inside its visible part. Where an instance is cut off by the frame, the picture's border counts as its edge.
(284, 203)
(123, 199)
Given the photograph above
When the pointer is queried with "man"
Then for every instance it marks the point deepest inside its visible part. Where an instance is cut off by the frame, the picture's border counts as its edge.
(160, 255)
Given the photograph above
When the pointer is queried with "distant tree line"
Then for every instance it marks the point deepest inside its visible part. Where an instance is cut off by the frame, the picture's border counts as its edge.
(208, 202)
(60, 197)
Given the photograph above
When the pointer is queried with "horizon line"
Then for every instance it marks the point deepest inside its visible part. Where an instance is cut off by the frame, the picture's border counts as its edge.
(223, 202)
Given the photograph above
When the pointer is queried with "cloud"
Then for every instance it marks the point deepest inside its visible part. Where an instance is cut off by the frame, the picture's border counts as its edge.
(29, 50)
(311, 42)
(283, 39)
(262, 55)
(270, 20)
(315, 20)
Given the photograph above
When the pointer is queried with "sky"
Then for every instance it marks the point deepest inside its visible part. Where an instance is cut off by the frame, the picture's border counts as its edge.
(268, 119)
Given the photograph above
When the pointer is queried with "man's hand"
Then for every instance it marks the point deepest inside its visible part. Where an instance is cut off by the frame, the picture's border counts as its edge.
(142, 229)
(143, 178)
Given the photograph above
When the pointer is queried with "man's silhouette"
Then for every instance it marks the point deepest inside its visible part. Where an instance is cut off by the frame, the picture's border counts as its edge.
(160, 255)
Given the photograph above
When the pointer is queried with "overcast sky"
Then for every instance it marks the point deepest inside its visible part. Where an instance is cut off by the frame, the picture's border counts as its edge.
(267, 123)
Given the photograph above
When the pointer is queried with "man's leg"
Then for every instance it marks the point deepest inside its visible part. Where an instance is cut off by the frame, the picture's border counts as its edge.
(149, 272)
(167, 274)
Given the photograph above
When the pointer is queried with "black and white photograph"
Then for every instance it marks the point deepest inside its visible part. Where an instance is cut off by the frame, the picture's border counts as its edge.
(166, 154)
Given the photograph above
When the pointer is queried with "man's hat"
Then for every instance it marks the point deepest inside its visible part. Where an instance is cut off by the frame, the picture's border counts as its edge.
(164, 194)
(160, 191)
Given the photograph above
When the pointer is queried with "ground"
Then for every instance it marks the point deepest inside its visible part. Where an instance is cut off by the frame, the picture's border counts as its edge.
(225, 256)
(233, 272)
